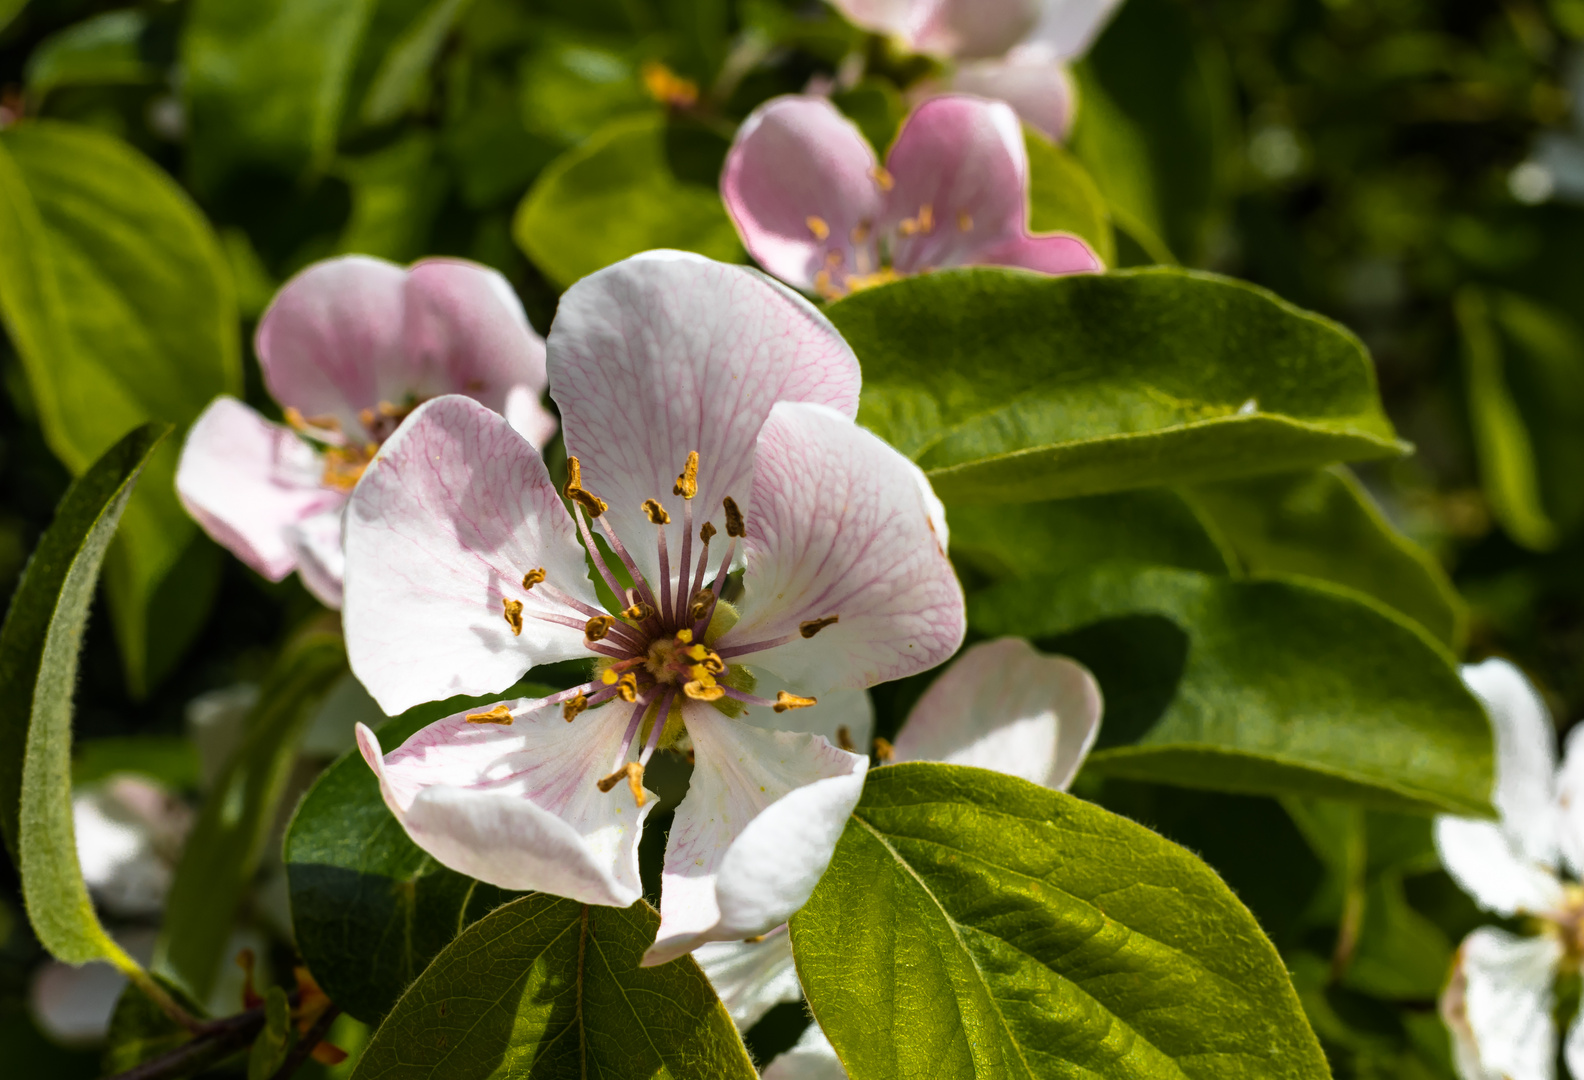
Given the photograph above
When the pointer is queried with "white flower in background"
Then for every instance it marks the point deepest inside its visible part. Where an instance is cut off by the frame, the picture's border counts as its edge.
(1498, 1002)
(129, 834)
(1003, 706)
(708, 415)
(1015, 51)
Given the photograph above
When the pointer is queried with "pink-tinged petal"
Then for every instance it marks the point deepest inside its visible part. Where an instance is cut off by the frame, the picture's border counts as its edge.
(316, 545)
(840, 527)
(247, 481)
(968, 29)
(1067, 28)
(669, 352)
(1524, 793)
(751, 977)
(800, 184)
(961, 176)
(1003, 705)
(529, 418)
(331, 334)
(845, 718)
(1052, 253)
(452, 513)
(519, 806)
(1498, 1003)
(465, 332)
(1029, 78)
(811, 1058)
(892, 17)
(1487, 863)
(762, 815)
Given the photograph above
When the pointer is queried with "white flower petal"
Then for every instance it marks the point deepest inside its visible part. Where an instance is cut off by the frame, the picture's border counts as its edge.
(751, 977)
(1498, 1006)
(837, 709)
(1525, 790)
(518, 806)
(1483, 859)
(811, 1058)
(1005, 706)
(761, 818)
(315, 543)
(1570, 805)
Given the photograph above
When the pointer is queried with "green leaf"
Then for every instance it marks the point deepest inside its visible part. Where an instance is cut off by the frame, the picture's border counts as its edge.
(1323, 524)
(139, 1031)
(266, 82)
(370, 908)
(170, 759)
(973, 924)
(1063, 197)
(552, 986)
(116, 296)
(9, 9)
(396, 192)
(39, 646)
(1400, 954)
(640, 183)
(1007, 386)
(399, 81)
(876, 106)
(575, 83)
(223, 851)
(102, 50)
(1153, 525)
(1265, 687)
(1508, 470)
(270, 1048)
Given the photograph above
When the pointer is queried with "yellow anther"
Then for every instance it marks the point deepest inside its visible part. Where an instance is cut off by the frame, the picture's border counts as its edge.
(813, 626)
(609, 677)
(500, 714)
(684, 635)
(881, 178)
(657, 513)
(627, 688)
(860, 232)
(571, 708)
(734, 518)
(833, 259)
(366, 417)
(597, 627)
(513, 613)
(667, 87)
(785, 701)
(699, 691)
(592, 504)
(817, 226)
(707, 532)
(844, 738)
(701, 675)
(883, 749)
(697, 652)
(823, 286)
(964, 221)
(532, 578)
(926, 219)
(574, 473)
(703, 602)
(639, 612)
(632, 772)
(309, 425)
(687, 484)
(344, 465)
(714, 664)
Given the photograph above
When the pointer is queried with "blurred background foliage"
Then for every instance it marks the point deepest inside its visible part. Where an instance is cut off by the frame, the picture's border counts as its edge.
(1412, 168)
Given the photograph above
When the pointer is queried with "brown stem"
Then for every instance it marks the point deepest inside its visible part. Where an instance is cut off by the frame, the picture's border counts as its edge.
(305, 1045)
(215, 1041)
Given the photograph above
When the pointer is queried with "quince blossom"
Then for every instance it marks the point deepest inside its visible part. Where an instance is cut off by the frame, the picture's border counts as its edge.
(349, 347)
(814, 207)
(1002, 706)
(1498, 1003)
(1015, 51)
(695, 397)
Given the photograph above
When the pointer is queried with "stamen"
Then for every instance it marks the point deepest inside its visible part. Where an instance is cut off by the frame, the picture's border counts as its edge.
(513, 612)
(571, 708)
(594, 553)
(860, 232)
(639, 612)
(574, 490)
(964, 222)
(813, 626)
(632, 772)
(785, 701)
(817, 226)
(687, 549)
(734, 518)
(703, 604)
(883, 749)
(695, 689)
(882, 178)
(657, 513)
(532, 578)
(706, 534)
(500, 714)
(664, 584)
(627, 687)
(926, 219)
(720, 582)
(844, 738)
(687, 484)
(685, 636)
(597, 627)
(755, 646)
(632, 568)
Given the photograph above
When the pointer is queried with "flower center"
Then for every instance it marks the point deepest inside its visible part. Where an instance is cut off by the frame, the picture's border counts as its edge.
(346, 459)
(670, 641)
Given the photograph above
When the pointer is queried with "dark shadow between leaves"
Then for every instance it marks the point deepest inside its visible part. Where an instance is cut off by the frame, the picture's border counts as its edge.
(1139, 662)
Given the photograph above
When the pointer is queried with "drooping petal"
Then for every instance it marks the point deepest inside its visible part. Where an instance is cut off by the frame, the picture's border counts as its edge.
(1486, 863)
(465, 332)
(844, 717)
(968, 29)
(1068, 27)
(1570, 805)
(961, 194)
(1498, 1006)
(529, 418)
(840, 528)
(751, 977)
(330, 334)
(669, 352)
(811, 1058)
(762, 815)
(1030, 78)
(441, 530)
(1525, 790)
(800, 184)
(315, 544)
(518, 806)
(247, 481)
(1005, 706)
